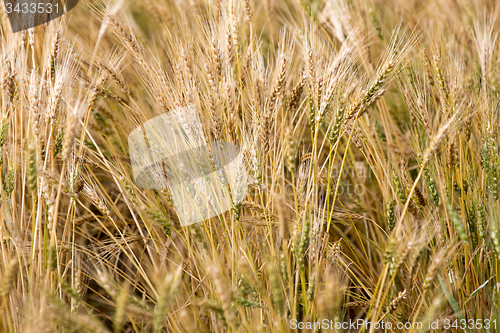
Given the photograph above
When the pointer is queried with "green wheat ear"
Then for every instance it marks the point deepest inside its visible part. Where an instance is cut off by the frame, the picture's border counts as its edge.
(32, 168)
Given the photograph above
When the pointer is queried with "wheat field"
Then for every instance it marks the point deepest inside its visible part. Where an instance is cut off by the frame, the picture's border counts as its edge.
(370, 135)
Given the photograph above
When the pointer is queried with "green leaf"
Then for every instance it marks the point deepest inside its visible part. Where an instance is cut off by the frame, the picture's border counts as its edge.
(452, 300)
(477, 290)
